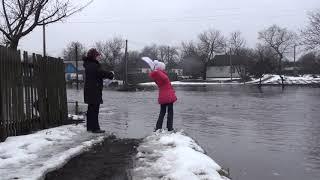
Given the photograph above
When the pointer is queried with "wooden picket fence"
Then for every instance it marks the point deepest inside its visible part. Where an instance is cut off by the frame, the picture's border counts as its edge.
(32, 93)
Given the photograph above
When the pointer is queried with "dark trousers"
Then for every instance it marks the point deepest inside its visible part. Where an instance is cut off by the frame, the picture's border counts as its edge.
(92, 117)
(163, 110)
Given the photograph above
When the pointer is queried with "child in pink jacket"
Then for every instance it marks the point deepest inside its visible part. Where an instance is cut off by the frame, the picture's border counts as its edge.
(167, 95)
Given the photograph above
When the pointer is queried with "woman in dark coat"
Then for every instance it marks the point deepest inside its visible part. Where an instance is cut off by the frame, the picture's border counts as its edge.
(93, 86)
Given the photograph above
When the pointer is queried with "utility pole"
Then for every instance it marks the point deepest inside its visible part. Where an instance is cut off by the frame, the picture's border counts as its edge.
(168, 55)
(230, 64)
(44, 39)
(126, 64)
(294, 59)
(77, 73)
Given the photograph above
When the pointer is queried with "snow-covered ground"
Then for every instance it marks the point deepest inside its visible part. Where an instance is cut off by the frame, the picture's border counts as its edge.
(76, 117)
(289, 80)
(174, 156)
(30, 157)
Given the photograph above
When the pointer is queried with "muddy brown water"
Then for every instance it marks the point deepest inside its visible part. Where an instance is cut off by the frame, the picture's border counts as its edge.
(272, 134)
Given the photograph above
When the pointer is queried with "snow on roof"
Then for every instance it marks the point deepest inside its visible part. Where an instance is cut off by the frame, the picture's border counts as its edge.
(174, 156)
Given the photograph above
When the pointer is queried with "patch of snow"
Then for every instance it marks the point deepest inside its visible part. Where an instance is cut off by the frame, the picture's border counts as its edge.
(32, 156)
(175, 156)
(264, 78)
(76, 117)
(291, 80)
(272, 79)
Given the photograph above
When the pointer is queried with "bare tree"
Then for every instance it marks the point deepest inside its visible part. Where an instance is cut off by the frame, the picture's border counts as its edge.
(112, 51)
(69, 53)
(237, 43)
(189, 49)
(151, 52)
(264, 57)
(191, 59)
(19, 17)
(210, 43)
(311, 35)
(280, 40)
(238, 47)
(168, 55)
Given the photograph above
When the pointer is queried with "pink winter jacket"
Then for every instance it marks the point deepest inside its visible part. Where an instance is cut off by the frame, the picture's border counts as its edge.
(167, 94)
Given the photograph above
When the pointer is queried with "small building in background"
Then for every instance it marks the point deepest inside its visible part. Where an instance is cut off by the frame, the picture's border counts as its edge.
(192, 67)
(176, 69)
(226, 66)
(71, 72)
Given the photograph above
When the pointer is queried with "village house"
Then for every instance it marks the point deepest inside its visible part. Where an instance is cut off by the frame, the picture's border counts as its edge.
(226, 66)
(176, 69)
(71, 72)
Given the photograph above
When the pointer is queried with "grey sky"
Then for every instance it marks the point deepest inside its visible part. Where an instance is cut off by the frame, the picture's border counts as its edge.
(144, 22)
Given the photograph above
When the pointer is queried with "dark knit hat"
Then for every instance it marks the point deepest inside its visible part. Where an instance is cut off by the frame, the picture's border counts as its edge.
(93, 53)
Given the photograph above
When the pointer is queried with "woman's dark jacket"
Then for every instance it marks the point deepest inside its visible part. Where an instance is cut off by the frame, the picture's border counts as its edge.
(93, 84)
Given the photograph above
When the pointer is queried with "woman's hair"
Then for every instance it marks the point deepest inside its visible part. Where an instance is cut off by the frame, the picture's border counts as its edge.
(92, 53)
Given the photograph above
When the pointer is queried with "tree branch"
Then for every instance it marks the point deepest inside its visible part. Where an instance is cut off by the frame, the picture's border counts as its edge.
(6, 16)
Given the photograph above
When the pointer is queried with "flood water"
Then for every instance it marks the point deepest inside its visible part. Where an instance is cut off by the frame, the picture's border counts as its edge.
(269, 135)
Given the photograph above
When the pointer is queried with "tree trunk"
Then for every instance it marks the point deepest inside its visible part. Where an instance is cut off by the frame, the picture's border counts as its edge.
(260, 82)
(280, 72)
(13, 44)
(204, 75)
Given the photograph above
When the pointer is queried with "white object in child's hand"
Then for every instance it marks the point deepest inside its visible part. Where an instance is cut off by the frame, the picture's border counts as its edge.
(149, 62)
(108, 82)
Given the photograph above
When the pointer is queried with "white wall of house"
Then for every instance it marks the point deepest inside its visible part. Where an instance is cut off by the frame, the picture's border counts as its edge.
(145, 70)
(221, 72)
(179, 72)
(73, 76)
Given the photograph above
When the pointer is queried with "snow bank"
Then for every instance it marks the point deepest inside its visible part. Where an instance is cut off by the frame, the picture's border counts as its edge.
(32, 156)
(289, 80)
(76, 117)
(173, 156)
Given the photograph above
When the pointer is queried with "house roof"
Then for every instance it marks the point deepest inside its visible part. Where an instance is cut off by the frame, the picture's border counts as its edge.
(226, 60)
(69, 68)
(80, 64)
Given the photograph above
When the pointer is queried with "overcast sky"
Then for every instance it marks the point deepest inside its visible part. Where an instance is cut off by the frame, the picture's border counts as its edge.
(169, 22)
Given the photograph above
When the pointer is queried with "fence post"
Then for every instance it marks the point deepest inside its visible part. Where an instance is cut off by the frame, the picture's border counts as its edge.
(2, 129)
(77, 108)
(63, 97)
